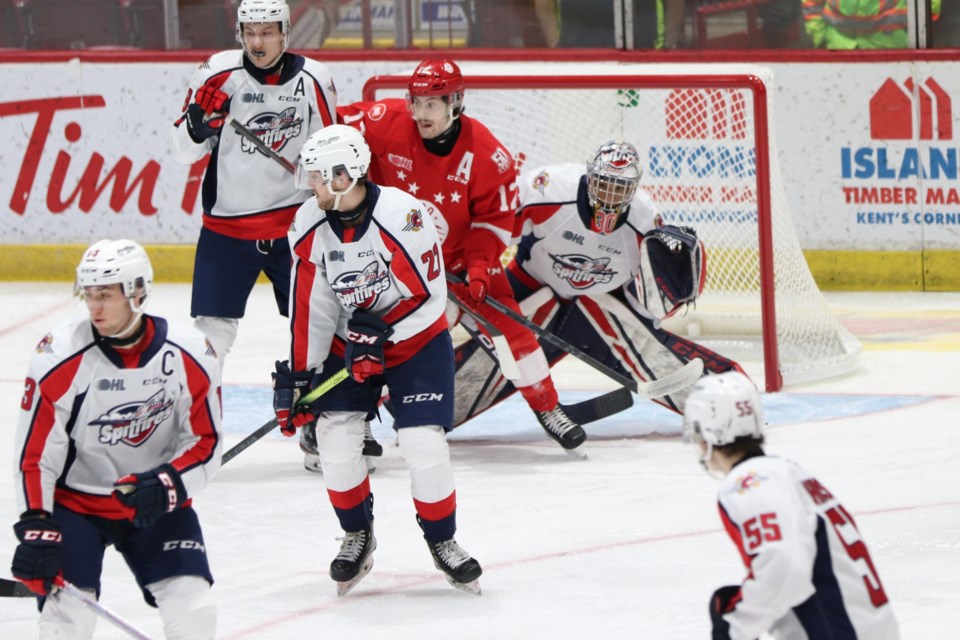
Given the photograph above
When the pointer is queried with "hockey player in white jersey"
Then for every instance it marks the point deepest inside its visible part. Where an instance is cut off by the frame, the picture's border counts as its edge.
(248, 199)
(596, 266)
(119, 429)
(369, 293)
(809, 573)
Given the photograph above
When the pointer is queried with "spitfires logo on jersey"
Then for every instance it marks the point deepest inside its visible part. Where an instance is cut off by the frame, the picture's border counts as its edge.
(46, 344)
(541, 182)
(414, 221)
(749, 481)
(134, 422)
(361, 289)
(274, 129)
(582, 272)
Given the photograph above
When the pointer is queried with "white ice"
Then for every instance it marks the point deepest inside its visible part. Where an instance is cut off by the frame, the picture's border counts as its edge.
(626, 544)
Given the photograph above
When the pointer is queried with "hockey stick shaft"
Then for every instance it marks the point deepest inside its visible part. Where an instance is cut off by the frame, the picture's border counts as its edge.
(14, 589)
(99, 609)
(259, 144)
(321, 389)
(508, 364)
(671, 383)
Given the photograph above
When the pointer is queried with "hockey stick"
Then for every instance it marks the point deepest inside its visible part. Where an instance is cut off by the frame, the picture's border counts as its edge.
(99, 609)
(671, 383)
(508, 365)
(321, 389)
(259, 144)
(14, 589)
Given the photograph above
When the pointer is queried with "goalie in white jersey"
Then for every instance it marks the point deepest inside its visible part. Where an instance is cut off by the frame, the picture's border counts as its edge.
(369, 292)
(248, 199)
(810, 576)
(119, 429)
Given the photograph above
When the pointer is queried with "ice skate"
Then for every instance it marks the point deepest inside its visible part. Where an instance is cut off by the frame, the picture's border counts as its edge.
(561, 428)
(371, 448)
(354, 560)
(459, 568)
(308, 444)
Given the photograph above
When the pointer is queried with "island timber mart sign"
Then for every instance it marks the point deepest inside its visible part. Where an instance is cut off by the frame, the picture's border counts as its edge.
(907, 175)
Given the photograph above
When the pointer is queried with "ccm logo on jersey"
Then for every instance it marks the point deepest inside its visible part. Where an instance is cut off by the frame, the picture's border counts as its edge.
(422, 397)
(173, 545)
(46, 535)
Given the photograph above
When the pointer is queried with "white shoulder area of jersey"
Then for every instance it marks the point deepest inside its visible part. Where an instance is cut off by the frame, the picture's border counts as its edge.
(316, 68)
(307, 216)
(553, 183)
(756, 479)
(397, 210)
(65, 339)
(222, 60)
(644, 214)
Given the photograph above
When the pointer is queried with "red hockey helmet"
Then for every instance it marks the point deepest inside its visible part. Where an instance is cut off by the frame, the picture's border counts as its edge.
(438, 78)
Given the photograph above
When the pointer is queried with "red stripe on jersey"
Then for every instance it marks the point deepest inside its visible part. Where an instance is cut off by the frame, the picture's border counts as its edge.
(406, 272)
(325, 109)
(537, 214)
(525, 278)
(303, 279)
(437, 510)
(101, 506)
(53, 387)
(202, 423)
(400, 352)
(267, 225)
(734, 532)
(352, 497)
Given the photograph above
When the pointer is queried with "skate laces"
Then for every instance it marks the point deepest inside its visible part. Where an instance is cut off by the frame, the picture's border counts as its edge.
(450, 553)
(352, 545)
(556, 421)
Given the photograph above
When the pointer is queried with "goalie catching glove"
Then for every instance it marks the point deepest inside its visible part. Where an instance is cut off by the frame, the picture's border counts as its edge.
(288, 388)
(151, 494)
(673, 270)
(366, 336)
(37, 560)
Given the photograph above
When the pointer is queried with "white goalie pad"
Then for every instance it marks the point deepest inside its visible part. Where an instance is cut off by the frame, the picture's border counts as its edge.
(672, 272)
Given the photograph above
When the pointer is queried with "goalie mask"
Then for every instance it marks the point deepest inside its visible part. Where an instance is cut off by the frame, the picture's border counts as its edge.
(612, 179)
(331, 150)
(720, 410)
(122, 262)
(260, 12)
(437, 78)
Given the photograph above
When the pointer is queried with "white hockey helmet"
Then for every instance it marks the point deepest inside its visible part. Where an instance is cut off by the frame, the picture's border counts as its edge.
(612, 179)
(260, 11)
(722, 409)
(122, 262)
(333, 148)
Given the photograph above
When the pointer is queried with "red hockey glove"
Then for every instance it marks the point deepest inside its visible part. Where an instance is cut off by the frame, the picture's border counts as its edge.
(478, 278)
(288, 387)
(210, 99)
(36, 562)
(151, 494)
(366, 336)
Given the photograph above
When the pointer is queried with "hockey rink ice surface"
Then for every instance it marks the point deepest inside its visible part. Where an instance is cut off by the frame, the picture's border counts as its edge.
(625, 544)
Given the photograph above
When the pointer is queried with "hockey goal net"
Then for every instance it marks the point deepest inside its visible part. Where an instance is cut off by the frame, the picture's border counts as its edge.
(710, 162)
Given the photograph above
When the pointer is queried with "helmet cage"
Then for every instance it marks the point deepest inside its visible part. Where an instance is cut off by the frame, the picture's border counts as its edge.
(122, 262)
(263, 11)
(612, 179)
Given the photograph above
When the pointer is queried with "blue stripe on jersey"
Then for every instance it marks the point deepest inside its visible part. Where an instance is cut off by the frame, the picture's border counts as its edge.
(823, 615)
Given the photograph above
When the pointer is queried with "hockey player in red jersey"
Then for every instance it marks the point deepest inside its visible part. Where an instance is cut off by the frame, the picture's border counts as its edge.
(809, 573)
(119, 429)
(467, 182)
(248, 199)
(369, 292)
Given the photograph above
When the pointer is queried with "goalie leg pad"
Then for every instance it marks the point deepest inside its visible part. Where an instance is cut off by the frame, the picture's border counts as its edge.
(64, 616)
(186, 607)
(673, 271)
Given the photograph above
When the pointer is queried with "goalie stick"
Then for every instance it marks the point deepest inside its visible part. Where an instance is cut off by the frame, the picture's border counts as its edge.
(671, 383)
(259, 144)
(99, 609)
(508, 365)
(321, 389)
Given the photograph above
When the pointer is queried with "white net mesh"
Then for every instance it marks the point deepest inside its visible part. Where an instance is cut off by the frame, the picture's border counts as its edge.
(699, 154)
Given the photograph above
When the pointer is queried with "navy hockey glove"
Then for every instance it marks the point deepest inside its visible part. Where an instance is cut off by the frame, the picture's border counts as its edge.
(724, 600)
(36, 562)
(151, 494)
(200, 128)
(210, 99)
(366, 336)
(288, 387)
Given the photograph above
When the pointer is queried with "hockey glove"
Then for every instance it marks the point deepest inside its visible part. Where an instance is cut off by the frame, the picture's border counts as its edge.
(210, 99)
(366, 336)
(151, 494)
(288, 387)
(724, 600)
(478, 278)
(198, 127)
(36, 562)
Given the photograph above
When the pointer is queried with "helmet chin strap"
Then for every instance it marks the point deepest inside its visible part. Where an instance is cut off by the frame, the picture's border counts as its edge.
(137, 315)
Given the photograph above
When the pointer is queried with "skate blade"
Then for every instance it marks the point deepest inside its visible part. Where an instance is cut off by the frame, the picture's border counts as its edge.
(343, 588)
(311, 462)
(469, 587)
(576, 454)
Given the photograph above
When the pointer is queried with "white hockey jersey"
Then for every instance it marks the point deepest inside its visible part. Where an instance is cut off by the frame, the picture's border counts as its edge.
(556, 245)
(245, 193)
(87, 419)
(810, 574)
(391, 266)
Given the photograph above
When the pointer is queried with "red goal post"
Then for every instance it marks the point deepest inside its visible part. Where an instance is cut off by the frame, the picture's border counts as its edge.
(705, 138)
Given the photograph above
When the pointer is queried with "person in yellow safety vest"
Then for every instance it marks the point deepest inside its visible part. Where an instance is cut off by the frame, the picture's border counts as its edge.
(859, 24)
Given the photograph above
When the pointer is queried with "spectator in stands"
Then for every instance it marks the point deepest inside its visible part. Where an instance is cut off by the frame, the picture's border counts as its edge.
(868, 24)
(657, 24)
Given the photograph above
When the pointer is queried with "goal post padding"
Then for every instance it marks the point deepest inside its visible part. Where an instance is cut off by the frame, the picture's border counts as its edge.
(709, 156)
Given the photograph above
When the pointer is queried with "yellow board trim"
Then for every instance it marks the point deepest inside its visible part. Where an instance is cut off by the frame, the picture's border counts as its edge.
(833, 270)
